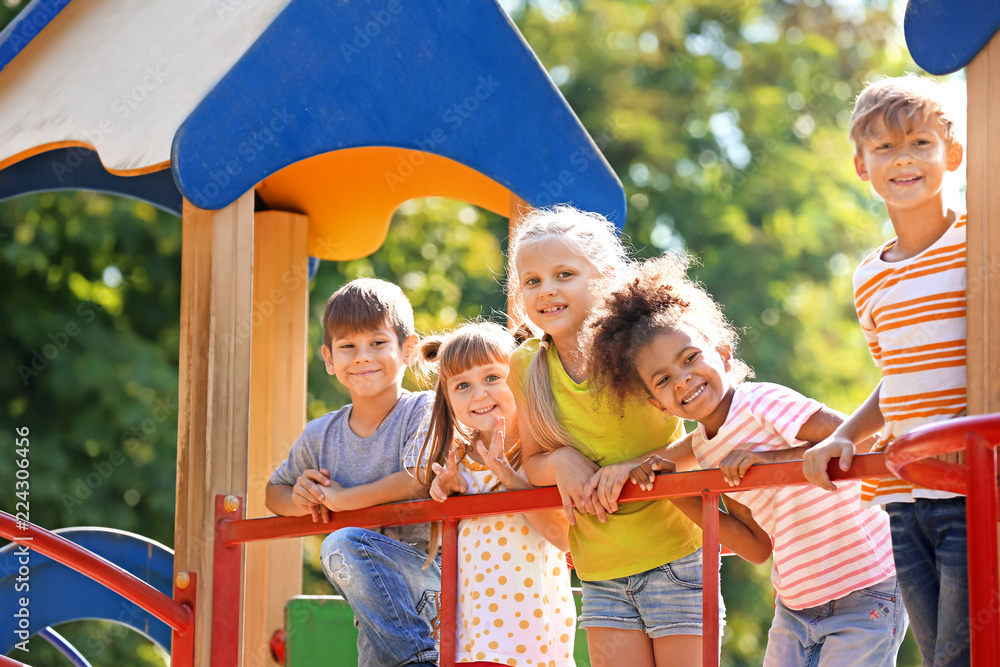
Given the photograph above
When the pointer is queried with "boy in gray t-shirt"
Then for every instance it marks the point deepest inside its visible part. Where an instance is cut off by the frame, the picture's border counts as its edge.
(362, 455)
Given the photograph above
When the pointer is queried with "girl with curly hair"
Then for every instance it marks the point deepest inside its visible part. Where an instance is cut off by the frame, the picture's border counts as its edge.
(838, 602)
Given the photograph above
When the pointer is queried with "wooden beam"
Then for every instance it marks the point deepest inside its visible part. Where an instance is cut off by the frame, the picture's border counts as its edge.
(983, 196)
(214, 388)
(279, 350)
(518, 210)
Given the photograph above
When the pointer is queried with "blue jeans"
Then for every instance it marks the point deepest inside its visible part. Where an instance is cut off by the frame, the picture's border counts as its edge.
(395, 602)
(662, 601)
(931, 553)
(865, 627)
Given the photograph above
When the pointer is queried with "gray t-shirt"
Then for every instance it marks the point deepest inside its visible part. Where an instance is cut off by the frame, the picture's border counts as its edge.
(329, 442)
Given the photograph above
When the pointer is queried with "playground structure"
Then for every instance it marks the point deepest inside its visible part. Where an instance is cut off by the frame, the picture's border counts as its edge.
(264, 105)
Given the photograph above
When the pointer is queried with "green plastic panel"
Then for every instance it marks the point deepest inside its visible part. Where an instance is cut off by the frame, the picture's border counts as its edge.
(319, 630)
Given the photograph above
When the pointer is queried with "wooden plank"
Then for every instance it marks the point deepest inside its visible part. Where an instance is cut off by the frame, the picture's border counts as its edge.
(983, 298)
(279, 349)
(518, 210)
(122, 76)
(214, 387)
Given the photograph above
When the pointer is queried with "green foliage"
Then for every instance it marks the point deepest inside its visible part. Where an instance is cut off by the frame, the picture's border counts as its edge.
(726, 122)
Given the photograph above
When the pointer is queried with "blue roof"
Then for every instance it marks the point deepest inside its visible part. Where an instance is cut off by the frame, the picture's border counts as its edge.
(945, 35)
(451, 78)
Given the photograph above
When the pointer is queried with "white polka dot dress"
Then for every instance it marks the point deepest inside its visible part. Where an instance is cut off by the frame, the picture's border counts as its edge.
(515, 606)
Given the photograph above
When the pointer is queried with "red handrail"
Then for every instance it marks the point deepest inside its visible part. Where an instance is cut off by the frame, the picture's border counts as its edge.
(977, 479)
(177, 616)
(705, 483)
(694, 483)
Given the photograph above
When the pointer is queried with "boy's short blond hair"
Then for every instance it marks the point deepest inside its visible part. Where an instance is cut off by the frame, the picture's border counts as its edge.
(897, 100)
(367, 304)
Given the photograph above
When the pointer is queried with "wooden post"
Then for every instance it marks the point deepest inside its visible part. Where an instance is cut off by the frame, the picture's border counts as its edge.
(214, 388)
(983, 195)
(518, 209)
(279, 351)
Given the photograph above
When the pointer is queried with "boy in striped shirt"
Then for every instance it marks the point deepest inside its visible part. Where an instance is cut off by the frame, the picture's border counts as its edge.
(910, 298)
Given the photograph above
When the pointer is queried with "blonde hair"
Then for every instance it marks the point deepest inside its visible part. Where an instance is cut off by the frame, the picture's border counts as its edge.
(659, 297)
(899, 101)
(445, 355)
(593, 238)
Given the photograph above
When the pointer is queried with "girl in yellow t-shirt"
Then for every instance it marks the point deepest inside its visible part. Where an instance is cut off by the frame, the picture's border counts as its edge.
(515, 605)
(640, 565)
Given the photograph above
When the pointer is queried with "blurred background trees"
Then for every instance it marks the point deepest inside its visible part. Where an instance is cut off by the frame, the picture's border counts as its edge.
(726, 122)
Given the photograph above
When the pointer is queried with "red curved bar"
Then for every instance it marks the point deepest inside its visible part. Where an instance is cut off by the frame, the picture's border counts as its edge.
(126, 584)
(10, 662)
(977, 479)
(907, 457)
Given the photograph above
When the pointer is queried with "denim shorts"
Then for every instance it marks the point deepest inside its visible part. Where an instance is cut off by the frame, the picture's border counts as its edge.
(663, 601)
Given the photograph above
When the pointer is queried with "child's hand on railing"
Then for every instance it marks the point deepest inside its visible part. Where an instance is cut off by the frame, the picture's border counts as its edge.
(447, 480)
(606, 484)
(816, 459)
(645, 474)
(572, 471)
(308, 493)
(735, 465)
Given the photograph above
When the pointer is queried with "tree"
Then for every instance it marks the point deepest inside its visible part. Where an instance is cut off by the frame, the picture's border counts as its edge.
(726, 122)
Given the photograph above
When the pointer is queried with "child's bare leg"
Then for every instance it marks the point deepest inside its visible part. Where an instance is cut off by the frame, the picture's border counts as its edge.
(677, 650)
(611, 647)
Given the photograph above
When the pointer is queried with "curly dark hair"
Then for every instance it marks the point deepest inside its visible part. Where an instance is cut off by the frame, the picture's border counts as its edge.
(658, 296)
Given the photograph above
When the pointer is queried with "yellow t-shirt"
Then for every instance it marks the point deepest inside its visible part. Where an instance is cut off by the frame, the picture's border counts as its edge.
(641, 535)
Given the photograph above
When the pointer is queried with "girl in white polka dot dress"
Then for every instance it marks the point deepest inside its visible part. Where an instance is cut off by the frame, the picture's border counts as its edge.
(515, 606)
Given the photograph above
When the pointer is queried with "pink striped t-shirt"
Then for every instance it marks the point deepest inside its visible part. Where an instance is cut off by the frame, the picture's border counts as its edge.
(825, 544)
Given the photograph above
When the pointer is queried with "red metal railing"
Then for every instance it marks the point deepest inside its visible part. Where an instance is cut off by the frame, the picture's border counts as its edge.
(978, 437)
(177, 616)
(705, 483)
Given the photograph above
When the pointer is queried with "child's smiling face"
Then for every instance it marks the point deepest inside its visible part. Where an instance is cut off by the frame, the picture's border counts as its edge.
(479, 395)
(556, 287)
(687, 377)
(906, 168)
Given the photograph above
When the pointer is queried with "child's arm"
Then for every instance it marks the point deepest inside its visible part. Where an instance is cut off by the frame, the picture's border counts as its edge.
(820, 425)
(565, 468)
(398, 486)
(306, 497)
(738, 531)
(860, 426)
(606, 484)
(553, 524)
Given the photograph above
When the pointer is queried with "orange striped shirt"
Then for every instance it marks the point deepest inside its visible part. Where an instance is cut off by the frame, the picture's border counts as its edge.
(913, 317)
